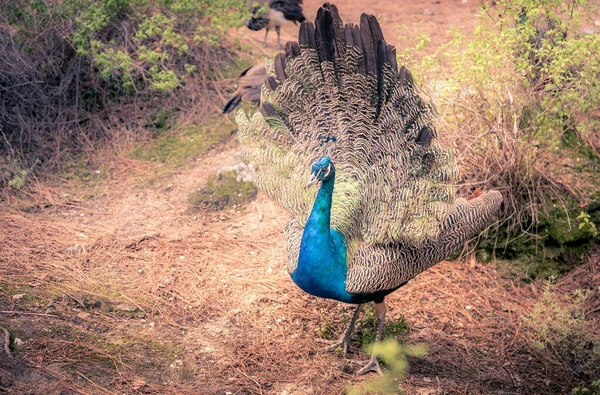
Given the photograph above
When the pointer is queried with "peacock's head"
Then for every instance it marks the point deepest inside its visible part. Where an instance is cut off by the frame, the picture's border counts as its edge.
(322, 170)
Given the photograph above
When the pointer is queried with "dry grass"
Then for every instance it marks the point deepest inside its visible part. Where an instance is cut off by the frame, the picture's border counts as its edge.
(213, 310)
(218, 313)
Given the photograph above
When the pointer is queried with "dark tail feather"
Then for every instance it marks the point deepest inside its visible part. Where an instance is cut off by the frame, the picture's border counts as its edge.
(232, 103)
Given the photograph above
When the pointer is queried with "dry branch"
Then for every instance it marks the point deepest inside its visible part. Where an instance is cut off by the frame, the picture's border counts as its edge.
(6, 342)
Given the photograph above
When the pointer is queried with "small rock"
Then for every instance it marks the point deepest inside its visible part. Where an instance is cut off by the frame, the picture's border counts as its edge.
(18, 342)
(176, 364)
(18, 296)
(568, 162)
(83, 315)
(469, 307)
(126, 307)
(74, 250)
(589, 31)
(428, 12)
(139, 382)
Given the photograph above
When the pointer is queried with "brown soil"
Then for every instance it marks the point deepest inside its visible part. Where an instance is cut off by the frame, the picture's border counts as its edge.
(118, 288)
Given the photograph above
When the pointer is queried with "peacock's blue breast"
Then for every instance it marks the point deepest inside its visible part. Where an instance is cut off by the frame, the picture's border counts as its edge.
(322, 267)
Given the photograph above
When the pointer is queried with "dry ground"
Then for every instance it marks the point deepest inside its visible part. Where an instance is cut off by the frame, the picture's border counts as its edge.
(118, 288)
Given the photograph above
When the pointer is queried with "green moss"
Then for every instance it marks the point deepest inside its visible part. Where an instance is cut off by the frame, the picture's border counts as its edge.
(131, 345)
(177, 148)
(562, 245)
(221, 191)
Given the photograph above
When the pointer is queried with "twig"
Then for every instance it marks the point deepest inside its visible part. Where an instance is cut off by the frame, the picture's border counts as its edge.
(94, 384)
(6, 342)
(27, 313)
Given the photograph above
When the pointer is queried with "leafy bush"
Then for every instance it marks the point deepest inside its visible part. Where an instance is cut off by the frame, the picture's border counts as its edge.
(561, 326)
(520, 101)
(75, 72)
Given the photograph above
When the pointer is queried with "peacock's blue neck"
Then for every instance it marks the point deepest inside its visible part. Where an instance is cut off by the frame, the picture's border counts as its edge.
(320, 217)
(322, 268)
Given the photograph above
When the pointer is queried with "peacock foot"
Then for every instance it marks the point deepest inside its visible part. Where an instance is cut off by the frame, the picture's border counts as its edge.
(343, 343)
(372, 365)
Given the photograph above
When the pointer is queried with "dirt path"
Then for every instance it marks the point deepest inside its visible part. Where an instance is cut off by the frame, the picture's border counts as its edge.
(157, 299)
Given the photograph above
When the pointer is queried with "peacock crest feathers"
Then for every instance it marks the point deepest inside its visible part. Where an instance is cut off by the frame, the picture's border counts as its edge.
(394, 185)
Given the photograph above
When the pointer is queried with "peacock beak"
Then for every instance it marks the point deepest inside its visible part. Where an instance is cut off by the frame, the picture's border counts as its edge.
(311, 180)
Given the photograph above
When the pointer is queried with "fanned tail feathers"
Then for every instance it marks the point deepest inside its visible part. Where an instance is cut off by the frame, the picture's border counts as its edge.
(394, 185)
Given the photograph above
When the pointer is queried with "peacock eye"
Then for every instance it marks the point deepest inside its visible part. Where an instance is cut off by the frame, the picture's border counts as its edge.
(323, 170)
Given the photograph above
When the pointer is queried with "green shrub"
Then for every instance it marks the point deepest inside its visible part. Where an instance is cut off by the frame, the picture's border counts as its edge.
(147, 44)
(562, 328)
(78, 73)
(518, 100)
(594, 389)
(12, 174)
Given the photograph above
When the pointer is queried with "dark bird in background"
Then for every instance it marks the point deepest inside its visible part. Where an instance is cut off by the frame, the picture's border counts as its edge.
(250, 82)
(273, 14)
(338, 112)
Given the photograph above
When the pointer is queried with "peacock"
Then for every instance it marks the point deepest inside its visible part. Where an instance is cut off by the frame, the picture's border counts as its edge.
(276, 14)
(380, 205)
(250, 82)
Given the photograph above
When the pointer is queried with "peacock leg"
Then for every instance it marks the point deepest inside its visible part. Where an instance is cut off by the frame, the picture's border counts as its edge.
(344, 340)
(372, 365)
(266, 34)
(278, 30)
